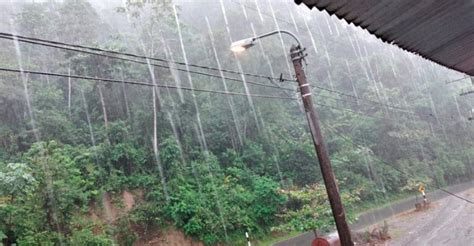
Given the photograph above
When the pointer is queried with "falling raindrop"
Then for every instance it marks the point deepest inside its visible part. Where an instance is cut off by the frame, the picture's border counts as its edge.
(283, 46)
(313, 43)
(190, 80)
(230, 100)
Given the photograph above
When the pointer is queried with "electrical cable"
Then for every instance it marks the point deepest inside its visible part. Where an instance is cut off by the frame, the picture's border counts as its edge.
(335, 91)
(352, 111)
(360, 147)
(141, 83)
(146, 63)
(367, 104)
(164, 66)
(55, 44)
(369, 101)
(456, 80)
(21, 38)
(208, 91)
(177, 87)
(45, 43)
(455, 195)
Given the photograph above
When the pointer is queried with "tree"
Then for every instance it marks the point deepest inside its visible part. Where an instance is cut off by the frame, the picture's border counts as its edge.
(308, 209)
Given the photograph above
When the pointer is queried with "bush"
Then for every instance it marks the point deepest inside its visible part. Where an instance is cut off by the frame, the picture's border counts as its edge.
(86, 237)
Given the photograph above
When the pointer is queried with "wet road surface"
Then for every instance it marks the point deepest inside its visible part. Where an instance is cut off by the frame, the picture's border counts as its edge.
(449, 221)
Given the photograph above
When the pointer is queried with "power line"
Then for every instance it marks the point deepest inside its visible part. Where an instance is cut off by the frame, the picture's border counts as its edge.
(198, 90)
(358, 98)
(21, 38)
(390, 109)
(352, 111)
(141, 83)
(144, 63)
(455, 195)
(163, 66)
(369, 101)
(58, 45)
(458, 79)
(25, 39)
(320, 87)
(360, 147)
(342, 100)
(176, 87)
(407, 110)
(171, 87)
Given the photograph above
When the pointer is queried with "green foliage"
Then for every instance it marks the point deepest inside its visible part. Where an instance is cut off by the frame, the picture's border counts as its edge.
(414, 184)
(233, 202)
(149, 214)
(309, 209)
(266, 202)
(86, 237)
(124, 233)
(2, 235)
(48, 238)
(16, 179)
(252, 168)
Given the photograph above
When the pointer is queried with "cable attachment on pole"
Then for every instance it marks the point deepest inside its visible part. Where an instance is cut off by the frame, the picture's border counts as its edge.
(298, 54)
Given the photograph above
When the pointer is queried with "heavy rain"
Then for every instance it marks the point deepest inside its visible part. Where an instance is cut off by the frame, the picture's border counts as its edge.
(226, 122)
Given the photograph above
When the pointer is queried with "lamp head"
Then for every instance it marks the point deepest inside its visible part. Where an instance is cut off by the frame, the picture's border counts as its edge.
(241, 45)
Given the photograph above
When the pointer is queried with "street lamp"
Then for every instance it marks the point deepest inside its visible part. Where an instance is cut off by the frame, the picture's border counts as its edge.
(243, 44)
(297, 55)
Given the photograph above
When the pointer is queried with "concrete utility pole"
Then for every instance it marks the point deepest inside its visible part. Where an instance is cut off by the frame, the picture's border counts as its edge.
(297, 56)
(332, 190)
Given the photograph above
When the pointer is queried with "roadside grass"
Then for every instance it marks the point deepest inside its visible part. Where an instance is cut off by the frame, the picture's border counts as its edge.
(269, 240)
(372, 205)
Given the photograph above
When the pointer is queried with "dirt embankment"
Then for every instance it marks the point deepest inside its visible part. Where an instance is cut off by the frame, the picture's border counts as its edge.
(170, 237)
(113, 207)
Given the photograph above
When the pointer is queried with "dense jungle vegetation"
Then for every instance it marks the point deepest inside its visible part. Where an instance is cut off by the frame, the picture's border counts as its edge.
(210, 165)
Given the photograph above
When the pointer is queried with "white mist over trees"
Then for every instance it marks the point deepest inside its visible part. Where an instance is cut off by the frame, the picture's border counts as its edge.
(208, 152)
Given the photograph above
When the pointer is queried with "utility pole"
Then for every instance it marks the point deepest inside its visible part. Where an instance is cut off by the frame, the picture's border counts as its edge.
(297, 56)
(324, 163)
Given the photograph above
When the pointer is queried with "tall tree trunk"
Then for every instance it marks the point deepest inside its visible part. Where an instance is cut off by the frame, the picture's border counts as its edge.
(104, 111)
(69, 92)
(155, 145)
(125, 98)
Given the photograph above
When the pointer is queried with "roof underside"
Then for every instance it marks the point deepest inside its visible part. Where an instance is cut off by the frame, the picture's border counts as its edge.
(439, 30)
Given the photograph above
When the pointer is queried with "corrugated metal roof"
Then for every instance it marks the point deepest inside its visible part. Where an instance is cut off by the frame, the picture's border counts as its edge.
(439, 30)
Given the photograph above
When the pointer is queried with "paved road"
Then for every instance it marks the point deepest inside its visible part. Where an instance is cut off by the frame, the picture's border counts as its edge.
(450, 221)
(458, 209)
